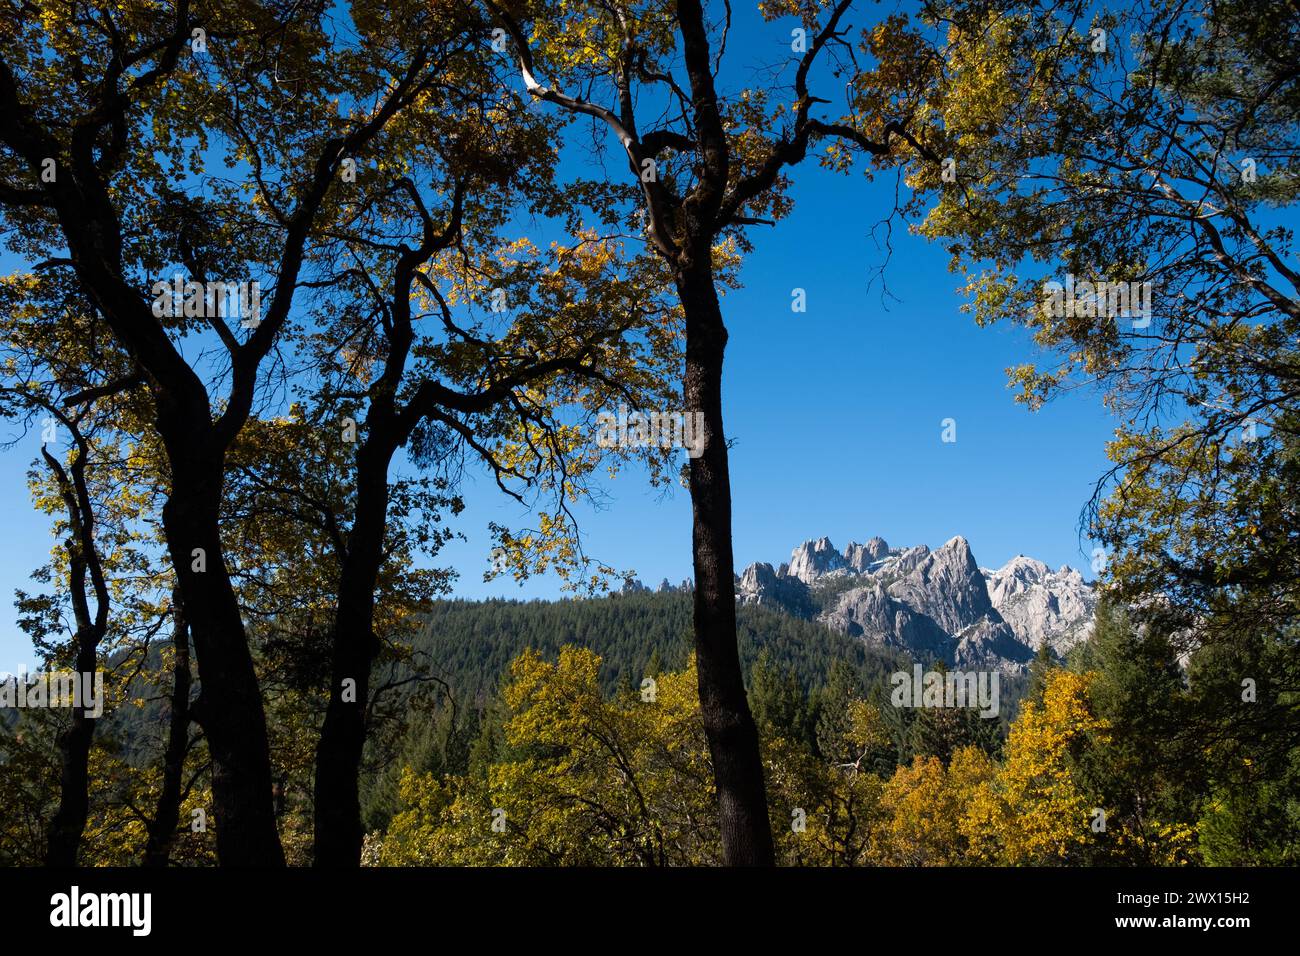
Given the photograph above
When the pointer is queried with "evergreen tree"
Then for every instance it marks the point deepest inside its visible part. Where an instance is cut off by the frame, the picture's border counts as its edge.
(1043, 662)
(1144, 769)
(777, 700)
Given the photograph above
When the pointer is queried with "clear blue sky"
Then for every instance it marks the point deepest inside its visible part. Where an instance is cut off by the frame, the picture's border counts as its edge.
(835, 414)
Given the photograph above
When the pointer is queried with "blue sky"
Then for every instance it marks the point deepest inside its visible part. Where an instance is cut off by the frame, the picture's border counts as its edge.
(836, 416)
(835, 413)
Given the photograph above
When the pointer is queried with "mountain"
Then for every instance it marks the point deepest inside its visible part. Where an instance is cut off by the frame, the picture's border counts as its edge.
(1041, 604)
(931, 604)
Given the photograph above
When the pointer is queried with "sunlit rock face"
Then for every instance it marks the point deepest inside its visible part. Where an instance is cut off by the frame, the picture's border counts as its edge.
(934, 604)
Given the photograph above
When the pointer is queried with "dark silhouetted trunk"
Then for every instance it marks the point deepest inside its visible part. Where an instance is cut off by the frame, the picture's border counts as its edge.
(229, 706)
(728, 723)
(338, 830)
(69, 821)
(167, 813)
(63, 835)
(337, 822)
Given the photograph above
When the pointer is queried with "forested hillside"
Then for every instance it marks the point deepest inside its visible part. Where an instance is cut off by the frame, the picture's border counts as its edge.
(794, 669)
(471, 643)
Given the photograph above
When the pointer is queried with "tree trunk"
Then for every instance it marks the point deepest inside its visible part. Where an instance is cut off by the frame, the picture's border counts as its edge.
(338, 829)
(166, 818)
(728, 723)
(63, 835)
(63, 838)
(229, 707)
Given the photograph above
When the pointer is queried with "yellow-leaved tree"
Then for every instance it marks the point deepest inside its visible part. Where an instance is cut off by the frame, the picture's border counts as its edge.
(924, 807)
(1036, 810)
(584, 779)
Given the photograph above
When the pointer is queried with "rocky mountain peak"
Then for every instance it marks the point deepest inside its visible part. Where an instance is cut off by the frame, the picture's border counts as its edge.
(947, 586)
(812, 559)
(760, 584)
(860, 557)
(1042, 605)
(1023, 571)
(758, 577)
(956, 551)
(934, 604)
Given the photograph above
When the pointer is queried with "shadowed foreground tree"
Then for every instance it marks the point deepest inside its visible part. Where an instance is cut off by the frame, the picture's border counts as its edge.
(66, 382)
(105, 111)
(588, 336)
(172, 788)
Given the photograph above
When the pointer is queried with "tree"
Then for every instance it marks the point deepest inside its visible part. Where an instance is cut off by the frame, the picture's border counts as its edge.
(172, 789)
(1152, 794)
(924, 806)
(112, 184)
(592, 780)
(1037, 809)
(701, 171)
(1039, 668)
(1148, 180)
(66, 380)
(105, 182)
(1241, 733)
(943, 731)
(779, 703)
(577, 344)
